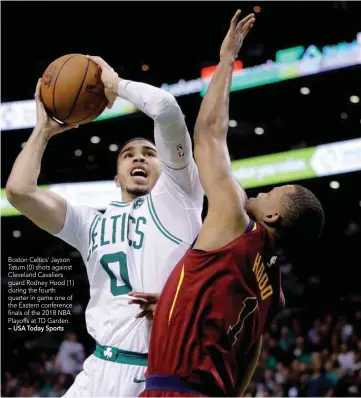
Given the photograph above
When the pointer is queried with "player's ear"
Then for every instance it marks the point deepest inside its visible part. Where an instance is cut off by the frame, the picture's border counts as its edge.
(117, 182)
(272, 219)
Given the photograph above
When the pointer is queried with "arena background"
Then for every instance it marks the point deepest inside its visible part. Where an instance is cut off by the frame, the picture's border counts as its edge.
(314, 347)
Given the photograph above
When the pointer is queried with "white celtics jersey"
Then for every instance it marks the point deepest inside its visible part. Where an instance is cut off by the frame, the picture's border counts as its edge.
(134, 247)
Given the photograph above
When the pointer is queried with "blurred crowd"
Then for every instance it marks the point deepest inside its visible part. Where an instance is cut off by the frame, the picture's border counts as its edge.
(321, 360)
(301, 357)
(48, 375)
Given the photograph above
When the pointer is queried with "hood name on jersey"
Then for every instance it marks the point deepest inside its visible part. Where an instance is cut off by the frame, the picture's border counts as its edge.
(261, 277)
(116, 229)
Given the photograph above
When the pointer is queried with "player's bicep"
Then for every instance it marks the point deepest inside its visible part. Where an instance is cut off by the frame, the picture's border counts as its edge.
(45, 209)
(220, 186)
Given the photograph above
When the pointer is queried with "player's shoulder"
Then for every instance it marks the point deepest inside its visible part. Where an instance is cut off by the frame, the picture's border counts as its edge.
(80, 213)
(183, 185)
(257, 239)
(261, 243)
(87, 211)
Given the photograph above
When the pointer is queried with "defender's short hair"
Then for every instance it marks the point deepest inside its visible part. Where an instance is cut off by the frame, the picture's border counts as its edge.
(302, 220)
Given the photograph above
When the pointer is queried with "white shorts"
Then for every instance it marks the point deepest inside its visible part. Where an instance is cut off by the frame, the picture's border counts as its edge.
(101, 378)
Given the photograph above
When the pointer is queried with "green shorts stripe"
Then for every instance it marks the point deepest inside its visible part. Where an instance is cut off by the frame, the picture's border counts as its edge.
(112, 354)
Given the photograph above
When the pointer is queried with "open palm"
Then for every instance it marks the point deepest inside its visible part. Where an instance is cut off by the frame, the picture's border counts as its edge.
(237, 32)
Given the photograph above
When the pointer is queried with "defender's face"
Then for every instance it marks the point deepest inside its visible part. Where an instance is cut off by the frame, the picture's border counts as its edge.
(268, 205)
(139, 168)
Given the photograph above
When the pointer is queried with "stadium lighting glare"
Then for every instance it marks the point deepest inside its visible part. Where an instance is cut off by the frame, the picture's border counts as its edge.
(334, 184)
(95, 139)
(305, 90)
(232, 123)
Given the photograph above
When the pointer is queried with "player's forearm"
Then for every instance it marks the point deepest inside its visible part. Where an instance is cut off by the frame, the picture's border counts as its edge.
(155, 102)
(26, 169)
(170, 132)
(213, 115)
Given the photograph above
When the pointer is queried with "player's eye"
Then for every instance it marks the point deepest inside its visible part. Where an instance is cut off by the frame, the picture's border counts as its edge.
(150, 154)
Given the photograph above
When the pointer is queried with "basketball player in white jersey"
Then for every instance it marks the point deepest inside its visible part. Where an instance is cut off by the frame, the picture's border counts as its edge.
(135, 244)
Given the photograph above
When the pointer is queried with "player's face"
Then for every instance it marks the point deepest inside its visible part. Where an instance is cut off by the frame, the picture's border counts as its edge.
(138, 168)
(267, 207)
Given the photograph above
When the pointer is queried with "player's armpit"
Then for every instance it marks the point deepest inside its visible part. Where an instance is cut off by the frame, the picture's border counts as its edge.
(46, 209)
(248, 367)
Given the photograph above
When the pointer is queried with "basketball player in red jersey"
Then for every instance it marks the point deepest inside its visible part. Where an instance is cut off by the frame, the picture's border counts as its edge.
(208, 324)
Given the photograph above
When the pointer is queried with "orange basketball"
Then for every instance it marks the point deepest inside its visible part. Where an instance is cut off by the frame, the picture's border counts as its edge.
(72, 90)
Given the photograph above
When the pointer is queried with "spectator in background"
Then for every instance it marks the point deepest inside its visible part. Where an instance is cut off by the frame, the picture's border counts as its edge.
(70, 357)
(313, 334)
(47, 387)
(346, 332)
(346, 358)
(10, 385)
(287, 338)
(318, 383)
(299, 351)
(357, 361)
(333, 374)
(348, 386)
(49, 363)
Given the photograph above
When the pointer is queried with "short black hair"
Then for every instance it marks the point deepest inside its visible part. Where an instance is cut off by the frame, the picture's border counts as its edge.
(302, 221)
(135, 139)
(131, 140)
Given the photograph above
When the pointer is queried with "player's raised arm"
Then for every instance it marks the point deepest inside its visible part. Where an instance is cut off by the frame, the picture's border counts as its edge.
(46, 209)
(171, 136)
(225, 196)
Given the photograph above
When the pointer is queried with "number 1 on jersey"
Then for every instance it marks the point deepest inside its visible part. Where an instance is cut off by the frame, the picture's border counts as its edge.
(250, 305)
(121, 259)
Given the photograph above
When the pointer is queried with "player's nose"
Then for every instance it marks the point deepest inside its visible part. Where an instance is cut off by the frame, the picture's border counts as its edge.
(139, 159)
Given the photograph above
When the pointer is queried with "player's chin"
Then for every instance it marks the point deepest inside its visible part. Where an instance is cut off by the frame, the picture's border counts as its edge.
(137, 189)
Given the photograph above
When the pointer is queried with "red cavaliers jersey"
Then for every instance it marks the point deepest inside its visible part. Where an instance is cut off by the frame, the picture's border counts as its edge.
(213, 308)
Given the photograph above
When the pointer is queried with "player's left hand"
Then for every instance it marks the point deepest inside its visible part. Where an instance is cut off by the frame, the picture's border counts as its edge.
(147, 303)
(110, 79)
(237, 32)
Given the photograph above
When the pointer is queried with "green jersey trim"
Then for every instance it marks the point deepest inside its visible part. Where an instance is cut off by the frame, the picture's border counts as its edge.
(158, 223)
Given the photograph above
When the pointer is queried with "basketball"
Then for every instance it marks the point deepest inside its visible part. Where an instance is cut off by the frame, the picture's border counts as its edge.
(72, 90)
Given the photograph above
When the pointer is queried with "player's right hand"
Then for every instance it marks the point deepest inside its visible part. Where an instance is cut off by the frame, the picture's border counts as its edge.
(237, 32)
(43, 121)
(110, 79)
(147, 303)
